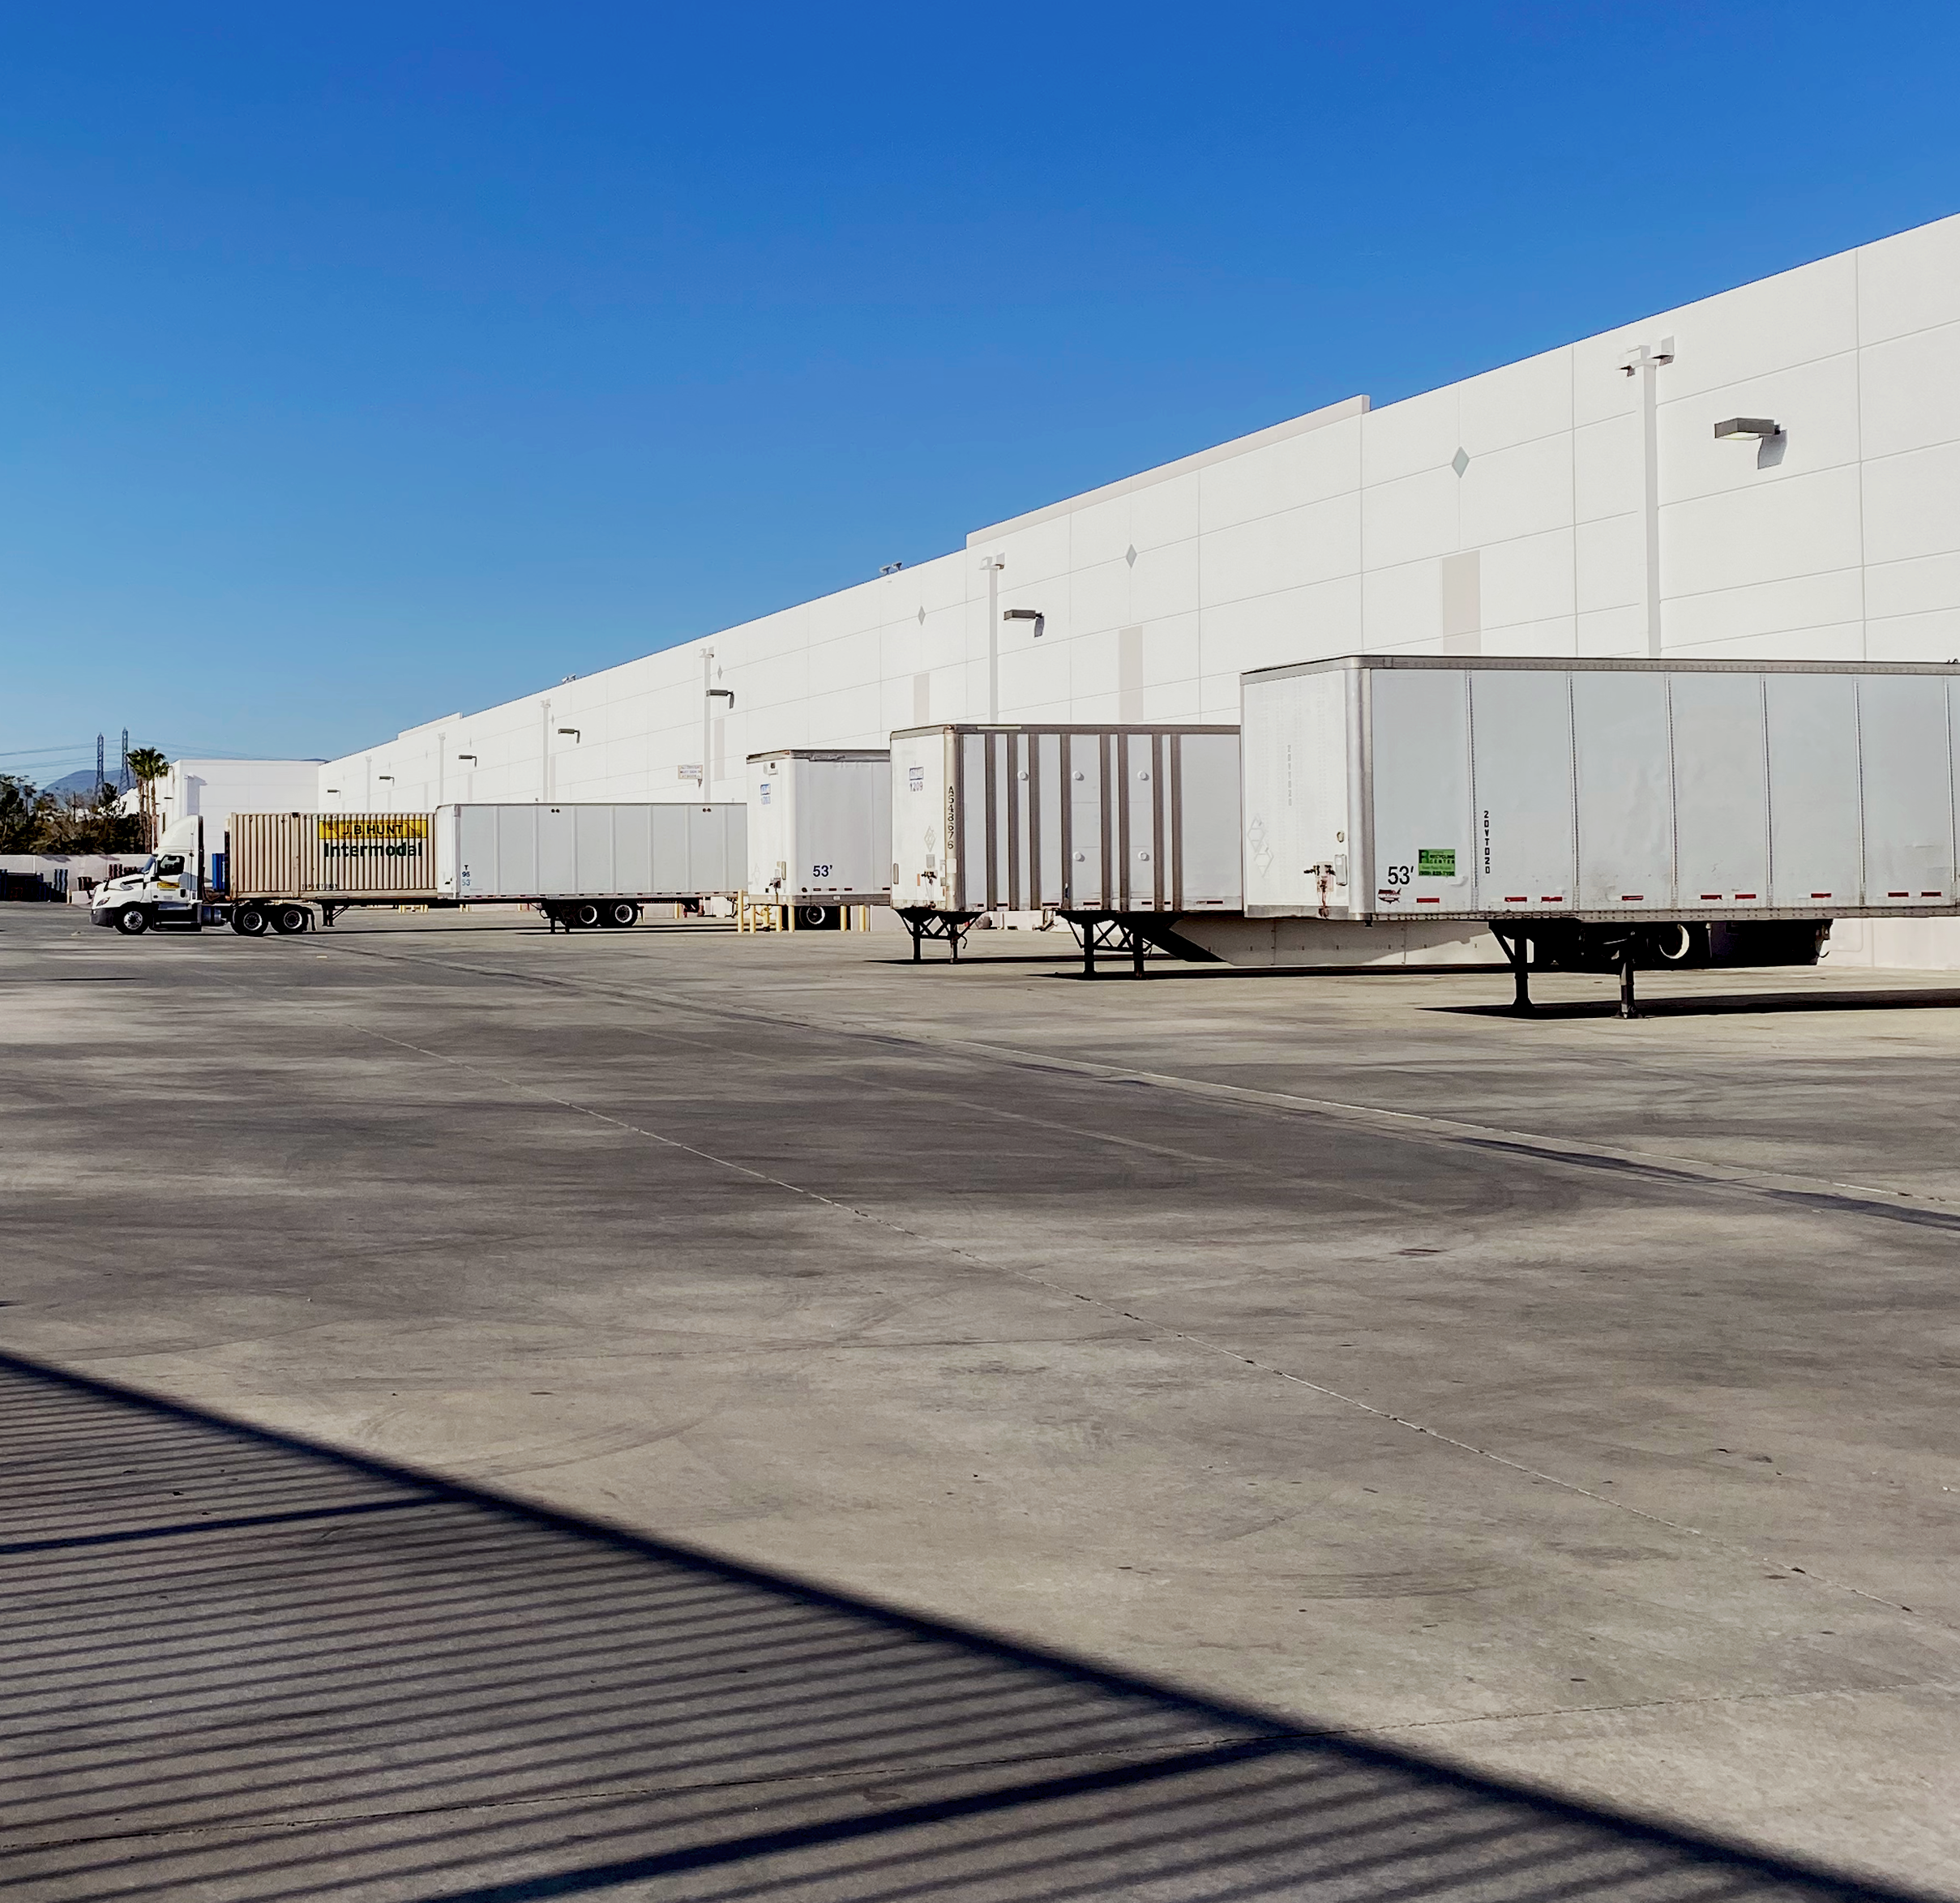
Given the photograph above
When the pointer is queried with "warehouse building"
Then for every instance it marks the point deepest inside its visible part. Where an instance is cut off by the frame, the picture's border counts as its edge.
(1774, 472)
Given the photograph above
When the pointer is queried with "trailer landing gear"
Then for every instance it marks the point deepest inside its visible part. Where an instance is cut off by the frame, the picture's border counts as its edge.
(1517, 955)
(1106, 933)
(922, 924)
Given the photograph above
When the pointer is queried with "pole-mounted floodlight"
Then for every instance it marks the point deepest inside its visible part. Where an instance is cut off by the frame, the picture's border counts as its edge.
(1034, 615)
(1756, 429)
(727, 694)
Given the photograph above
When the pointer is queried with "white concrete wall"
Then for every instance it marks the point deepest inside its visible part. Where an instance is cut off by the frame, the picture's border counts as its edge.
(218, 788)
(1503, 515)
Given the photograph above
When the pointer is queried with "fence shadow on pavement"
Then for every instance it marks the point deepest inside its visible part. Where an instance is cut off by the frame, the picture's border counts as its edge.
(241, 1666)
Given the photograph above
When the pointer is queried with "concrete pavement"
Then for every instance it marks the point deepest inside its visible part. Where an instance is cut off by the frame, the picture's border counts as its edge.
(1310, 1415)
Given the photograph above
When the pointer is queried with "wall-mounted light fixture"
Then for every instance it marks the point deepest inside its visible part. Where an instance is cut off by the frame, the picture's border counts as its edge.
(1034, 615)
(388, 778)
(727, 694)
(891, 568)
(470, 757)
(568, 733)
(1756, 429)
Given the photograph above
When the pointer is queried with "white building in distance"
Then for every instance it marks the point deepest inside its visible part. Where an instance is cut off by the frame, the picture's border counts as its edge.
(1773, 471)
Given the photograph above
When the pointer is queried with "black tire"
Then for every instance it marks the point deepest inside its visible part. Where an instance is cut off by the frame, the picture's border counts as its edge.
(812, 916)
(291, 918)
(622, 913)
(585, 916)
(132, 922)
(248, 922)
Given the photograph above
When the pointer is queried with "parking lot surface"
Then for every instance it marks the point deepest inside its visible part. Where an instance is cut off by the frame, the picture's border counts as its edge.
(497, 1414)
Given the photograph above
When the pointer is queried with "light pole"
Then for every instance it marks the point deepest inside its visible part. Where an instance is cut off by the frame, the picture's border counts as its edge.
(707, 707)
(1644, 361)
(544, 753)
(710, 694)
(993, 564)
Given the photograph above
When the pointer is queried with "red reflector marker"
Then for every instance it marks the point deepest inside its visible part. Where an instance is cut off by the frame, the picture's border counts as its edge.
(1820, 895)
(1745, 894)
(1624, 896)
(1711, 894)
(1429, 902)
(1517, 899)
(1898, 895)
(1553, 899)
(1930, 895)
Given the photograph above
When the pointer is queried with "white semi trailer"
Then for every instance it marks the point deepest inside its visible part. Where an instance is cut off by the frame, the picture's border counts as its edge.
(1601, 814)
(583, 866)
(1121, 830)
(819, 830)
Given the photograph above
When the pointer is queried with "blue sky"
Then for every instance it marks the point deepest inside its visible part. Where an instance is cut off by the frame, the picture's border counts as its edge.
(359, 363)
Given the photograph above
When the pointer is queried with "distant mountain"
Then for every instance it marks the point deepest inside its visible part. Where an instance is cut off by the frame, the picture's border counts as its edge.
(82, 782)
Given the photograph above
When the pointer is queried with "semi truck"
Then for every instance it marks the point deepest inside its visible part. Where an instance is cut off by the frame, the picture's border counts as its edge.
(584, 867)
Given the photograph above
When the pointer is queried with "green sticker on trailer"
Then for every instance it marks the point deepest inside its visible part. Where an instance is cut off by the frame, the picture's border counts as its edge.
(1436, 862)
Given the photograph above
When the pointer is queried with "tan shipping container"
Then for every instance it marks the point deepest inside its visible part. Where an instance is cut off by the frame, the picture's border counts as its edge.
(326, 855)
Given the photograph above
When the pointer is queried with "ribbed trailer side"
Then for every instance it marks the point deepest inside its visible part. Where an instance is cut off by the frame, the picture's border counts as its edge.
(377, 857)
(1075, 818)
(1120, 830)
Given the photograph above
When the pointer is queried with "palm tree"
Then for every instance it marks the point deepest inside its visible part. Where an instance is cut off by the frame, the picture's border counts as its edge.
(149, 766)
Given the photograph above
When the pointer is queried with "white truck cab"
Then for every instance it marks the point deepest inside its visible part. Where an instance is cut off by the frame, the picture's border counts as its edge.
(169, 891)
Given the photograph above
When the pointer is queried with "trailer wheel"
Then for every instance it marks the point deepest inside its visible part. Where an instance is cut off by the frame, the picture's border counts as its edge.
(248, 922)
(813, 915)
(132, 922)
(1674, 944)
(622, 912)
(585, 916)
(291, 918)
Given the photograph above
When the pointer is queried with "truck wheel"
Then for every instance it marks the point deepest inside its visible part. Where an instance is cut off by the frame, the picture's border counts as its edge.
(624, 912)
(291, 918)
(132, 922)
(248, 922)
(813, 915)
(586, 916)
